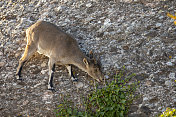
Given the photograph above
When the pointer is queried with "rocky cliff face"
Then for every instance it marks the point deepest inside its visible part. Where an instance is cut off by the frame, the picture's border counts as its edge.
(136, 34)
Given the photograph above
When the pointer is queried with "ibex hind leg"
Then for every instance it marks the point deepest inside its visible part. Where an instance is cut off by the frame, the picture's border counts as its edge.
(71, 73)
(29, 51)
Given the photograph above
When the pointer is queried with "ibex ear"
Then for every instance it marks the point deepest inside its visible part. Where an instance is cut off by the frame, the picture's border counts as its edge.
(95, 61)
(85, 61)
(91, 54)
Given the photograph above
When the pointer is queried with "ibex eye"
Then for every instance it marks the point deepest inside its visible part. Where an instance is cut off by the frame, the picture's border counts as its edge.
(97, 69)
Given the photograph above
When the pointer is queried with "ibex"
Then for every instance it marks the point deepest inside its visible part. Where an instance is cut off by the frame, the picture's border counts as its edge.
(47, 39)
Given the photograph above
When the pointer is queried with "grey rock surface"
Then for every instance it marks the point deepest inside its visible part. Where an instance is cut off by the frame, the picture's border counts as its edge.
(134, 33)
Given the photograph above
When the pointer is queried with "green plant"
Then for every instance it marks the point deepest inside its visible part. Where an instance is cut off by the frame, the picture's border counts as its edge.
(113, 100)
(170, 112)
(66, 109)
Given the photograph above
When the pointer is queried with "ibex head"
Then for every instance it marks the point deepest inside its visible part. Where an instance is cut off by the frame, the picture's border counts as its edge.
(93, 68)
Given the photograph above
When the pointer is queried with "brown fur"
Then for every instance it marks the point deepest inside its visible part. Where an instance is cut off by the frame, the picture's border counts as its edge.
(48, 39)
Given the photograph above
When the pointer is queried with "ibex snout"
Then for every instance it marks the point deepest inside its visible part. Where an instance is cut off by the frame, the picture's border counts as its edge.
(100, 78)
(96, 74)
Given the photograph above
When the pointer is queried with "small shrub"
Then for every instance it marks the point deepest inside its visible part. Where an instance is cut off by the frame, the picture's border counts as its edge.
(113, 100)
(170, 112)
(66, 110)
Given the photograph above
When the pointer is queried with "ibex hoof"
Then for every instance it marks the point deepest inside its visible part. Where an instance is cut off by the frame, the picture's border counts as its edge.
(18, 78)
(74, 79)
(50, 88)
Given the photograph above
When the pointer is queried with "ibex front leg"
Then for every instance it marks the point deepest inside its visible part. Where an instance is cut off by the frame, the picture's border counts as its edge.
(51, 65)
(71, 72)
